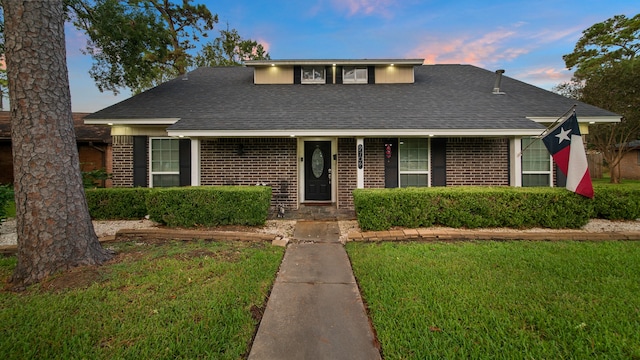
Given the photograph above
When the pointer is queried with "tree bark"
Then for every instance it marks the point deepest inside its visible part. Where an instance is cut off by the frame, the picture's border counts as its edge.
(54, 227)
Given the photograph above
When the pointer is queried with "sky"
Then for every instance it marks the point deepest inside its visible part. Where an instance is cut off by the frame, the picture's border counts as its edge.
(527, 38)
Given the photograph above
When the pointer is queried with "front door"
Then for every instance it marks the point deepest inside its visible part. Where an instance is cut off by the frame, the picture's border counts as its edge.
(317, 170)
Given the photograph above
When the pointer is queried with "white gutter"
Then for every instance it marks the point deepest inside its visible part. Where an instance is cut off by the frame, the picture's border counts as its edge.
(582, 119)
(359, 133)
(132, 122)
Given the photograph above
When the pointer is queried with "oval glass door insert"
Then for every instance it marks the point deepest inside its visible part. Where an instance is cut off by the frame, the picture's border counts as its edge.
(317, 163)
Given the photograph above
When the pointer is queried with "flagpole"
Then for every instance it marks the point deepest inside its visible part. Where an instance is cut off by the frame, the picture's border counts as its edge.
(550, 128)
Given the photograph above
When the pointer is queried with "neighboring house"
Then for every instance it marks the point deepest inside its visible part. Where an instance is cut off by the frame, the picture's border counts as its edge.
(94, 146)
(315, 130)
(630, 163)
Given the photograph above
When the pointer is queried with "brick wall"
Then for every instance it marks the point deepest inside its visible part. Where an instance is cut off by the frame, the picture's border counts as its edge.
(374, 163)
(347, 168)
(6, 163)
(347, 175)
(474, 161)
(122, 172)
(270, 161)
(629, 168)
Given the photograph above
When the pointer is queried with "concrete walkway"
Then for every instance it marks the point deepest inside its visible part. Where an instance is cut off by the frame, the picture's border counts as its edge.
(315, 310)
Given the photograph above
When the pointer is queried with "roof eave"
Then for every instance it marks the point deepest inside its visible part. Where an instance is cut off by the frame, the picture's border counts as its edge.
(357, 133)
(582, 119)
(129, 122)
(340, 62)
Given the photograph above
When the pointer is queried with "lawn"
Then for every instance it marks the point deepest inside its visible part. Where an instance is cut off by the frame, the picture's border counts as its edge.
(154, 301)
(507, 300)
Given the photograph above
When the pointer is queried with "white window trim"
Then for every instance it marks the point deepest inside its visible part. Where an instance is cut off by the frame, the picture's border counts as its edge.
(313, 81)
(416, 172)
(536, 172)
(151, 172)
(355, 80)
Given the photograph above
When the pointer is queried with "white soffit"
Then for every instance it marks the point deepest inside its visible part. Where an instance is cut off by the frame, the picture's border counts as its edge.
(132, 122)
(359, 133)
(582, 119)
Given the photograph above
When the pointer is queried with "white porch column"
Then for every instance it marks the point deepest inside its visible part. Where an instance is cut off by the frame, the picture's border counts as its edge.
(195, 162)
(360, 162)
(515, 160)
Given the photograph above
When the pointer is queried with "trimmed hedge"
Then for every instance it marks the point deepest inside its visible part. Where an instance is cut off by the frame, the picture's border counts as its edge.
(619, 202)
(210, 206)
(472, 207)
(117, 203)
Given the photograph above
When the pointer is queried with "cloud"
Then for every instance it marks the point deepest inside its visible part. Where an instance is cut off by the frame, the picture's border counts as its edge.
(544, 76)
(486, 49)
(365, 7)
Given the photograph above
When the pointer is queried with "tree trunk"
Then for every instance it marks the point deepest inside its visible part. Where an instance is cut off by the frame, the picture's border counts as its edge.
(53, 223)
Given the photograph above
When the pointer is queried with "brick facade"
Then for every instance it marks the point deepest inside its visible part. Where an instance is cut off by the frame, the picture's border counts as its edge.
(630, 165)
(347, 175)
(122, 174)
(347, 171)
(274, 161)
(476, 161)
(251, 161)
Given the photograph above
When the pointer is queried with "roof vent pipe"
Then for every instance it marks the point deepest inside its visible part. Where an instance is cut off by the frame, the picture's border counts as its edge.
(496, 86)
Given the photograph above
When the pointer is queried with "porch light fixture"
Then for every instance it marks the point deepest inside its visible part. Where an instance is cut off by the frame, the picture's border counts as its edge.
(240, 150)
(110, 124)
(592, 122)
(273, 64)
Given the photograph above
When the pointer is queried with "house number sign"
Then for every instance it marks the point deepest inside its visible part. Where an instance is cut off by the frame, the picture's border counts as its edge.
(360, 156)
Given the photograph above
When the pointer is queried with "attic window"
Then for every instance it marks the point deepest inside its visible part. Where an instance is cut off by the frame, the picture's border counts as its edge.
(354, 75)
(313, 75)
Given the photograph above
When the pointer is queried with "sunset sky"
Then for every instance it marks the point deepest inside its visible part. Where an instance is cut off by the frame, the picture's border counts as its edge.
(527, 38)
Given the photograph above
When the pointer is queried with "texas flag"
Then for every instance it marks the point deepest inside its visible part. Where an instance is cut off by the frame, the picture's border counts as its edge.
(565, 144)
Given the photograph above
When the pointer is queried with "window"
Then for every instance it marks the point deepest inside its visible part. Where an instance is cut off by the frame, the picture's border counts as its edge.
(313, 75)
(354, 75)
(536, 163)
(165, 162)
(414, 162)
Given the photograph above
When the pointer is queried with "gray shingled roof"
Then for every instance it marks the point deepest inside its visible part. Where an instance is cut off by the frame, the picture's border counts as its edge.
(442, 97)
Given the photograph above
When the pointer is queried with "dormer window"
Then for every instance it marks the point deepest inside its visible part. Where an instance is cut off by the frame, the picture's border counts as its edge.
(313, 75)
(354, 75)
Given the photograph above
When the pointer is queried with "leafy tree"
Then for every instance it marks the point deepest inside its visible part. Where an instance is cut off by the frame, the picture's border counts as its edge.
(608, 75)
(54, 228)
(139, 43)
(230, 49)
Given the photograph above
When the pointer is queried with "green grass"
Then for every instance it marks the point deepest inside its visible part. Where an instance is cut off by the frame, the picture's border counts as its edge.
(623, 182)
(507, 300)
(175, 300)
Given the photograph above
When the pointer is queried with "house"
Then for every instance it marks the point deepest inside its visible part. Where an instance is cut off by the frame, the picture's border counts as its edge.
(630, 163)
(94, 146)
(315, 130)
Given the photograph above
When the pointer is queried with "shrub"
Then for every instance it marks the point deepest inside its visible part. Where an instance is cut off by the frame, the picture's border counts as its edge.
(117, 203)
(471, 207)
(617, 202)
(210, 206)
(6, 195)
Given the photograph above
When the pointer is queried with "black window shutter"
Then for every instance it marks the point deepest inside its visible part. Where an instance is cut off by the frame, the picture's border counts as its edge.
(185, 162)
(391, 163)
(439, 162)
(339, 75)
(297, 74)
(329, 75)
(140, 161)
(561, 179)
(371, 74)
